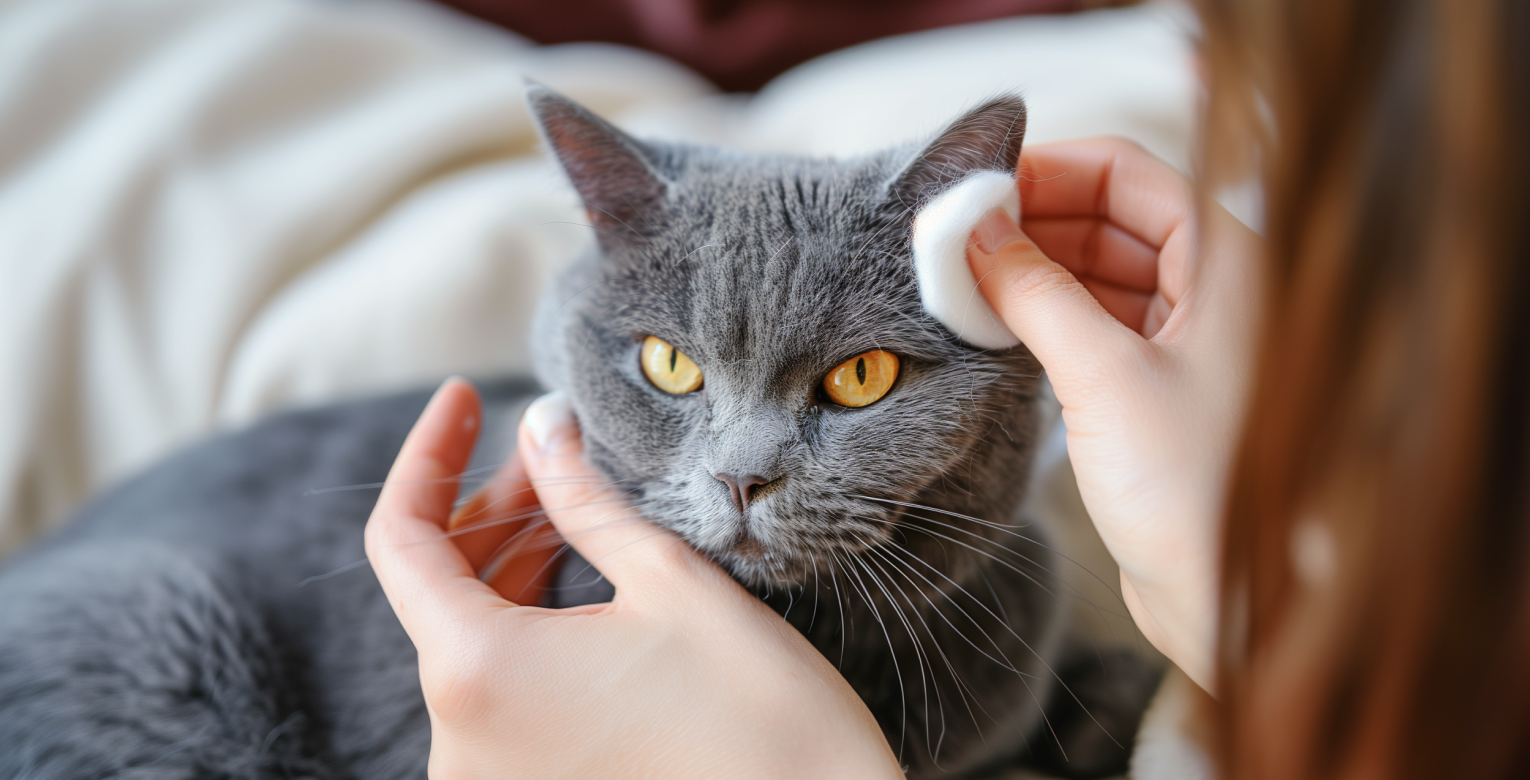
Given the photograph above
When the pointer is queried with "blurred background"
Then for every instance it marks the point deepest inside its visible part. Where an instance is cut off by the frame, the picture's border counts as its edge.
(211, 209)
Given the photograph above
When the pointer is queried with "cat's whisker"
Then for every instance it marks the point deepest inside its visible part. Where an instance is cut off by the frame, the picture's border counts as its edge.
(958, 515)
(1024, 171)
(564, 547)
(961, 688)
(892, 652)
(498, 561)
(969, 696)
(509, 549)
(378, 485)
(572, 480)
(900, 567)
(997, 601)
(618, 219)
(608, 523)
(839, 599)
(1006, 663)
(579, 224)
(648, 221)
(977, 537)
(463, 501)
(921, 658)
(487, 524)
(813, 620)
(697, 249)
(434, 481)
(580, 291)
(984, 553)
(353, 565)
(1010, 629)
(1072, 589)
(1039, 657)
(784, 244)
(480, 526)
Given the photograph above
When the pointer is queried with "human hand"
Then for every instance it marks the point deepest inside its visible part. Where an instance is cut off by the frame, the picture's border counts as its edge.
(1147, 340)
(684, 674)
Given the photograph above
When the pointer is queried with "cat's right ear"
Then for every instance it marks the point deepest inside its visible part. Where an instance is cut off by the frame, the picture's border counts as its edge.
(612, 171)
(987, 138)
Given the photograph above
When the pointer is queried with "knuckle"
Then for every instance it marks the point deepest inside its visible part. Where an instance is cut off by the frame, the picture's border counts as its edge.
(1036, 280)
(1109, 145)
(457, 694)
(1123, 145)
(660, 569)
(378, 535)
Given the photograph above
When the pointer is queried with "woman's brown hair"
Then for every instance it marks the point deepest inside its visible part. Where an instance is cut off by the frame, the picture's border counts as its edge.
(1376, 579)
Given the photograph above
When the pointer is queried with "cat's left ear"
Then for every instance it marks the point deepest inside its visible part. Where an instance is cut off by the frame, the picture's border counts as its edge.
(613, 172)
(963, 175)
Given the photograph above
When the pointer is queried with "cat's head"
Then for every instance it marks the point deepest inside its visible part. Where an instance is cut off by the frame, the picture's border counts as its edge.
(747, 352)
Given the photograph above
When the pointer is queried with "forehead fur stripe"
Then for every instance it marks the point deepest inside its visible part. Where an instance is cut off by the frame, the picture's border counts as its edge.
(946, 285)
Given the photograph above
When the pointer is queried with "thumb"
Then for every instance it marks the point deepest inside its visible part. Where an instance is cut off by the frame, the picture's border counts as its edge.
(1045, 305)
(591, 511)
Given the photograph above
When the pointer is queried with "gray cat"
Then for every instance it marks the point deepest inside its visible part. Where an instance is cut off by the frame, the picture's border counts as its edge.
(750, 363)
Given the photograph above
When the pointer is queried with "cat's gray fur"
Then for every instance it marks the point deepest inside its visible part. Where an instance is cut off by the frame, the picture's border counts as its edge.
(164, 634)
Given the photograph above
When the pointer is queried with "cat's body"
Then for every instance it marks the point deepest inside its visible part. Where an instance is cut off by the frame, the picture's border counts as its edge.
(168, 631)
(164, 632)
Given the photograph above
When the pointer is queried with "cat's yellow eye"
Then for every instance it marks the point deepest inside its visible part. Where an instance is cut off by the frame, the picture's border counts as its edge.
(668, 368)
(863, 379)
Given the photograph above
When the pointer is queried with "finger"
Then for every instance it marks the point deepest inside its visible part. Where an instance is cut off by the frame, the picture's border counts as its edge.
(1126, 304)
(591, 512)
(425, 576)
(424, 479)
(1093, 248)
(1110, 178)
(505, 536)
(1047, 308)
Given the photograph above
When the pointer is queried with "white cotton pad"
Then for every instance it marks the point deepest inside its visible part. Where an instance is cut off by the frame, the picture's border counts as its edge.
(941, 232)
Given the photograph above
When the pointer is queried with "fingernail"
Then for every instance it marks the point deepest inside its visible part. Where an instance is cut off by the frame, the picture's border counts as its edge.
(435, 397)
(441, 387)
(470, 422)
(996, 230)
(548, 416)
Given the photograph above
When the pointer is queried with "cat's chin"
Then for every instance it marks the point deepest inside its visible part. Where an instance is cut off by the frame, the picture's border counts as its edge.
(756, 573)
(757, 567)
(769, 557)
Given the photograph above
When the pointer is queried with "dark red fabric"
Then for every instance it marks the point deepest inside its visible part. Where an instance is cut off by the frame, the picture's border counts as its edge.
(739, 44)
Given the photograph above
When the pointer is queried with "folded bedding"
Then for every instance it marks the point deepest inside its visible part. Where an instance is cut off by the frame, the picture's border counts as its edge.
(211, 209)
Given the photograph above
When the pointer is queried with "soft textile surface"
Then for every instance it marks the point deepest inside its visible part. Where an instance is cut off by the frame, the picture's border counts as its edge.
(214, 208)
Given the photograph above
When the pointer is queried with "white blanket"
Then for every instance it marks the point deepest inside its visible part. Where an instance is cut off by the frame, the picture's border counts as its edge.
(210, 209)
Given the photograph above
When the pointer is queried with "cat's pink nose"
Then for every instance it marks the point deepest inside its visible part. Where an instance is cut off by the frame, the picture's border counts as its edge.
(741, 486)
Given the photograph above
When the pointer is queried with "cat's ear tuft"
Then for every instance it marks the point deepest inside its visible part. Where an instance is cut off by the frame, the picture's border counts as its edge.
(987, 138)
(613, 172)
